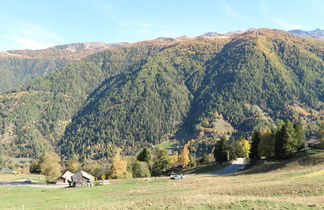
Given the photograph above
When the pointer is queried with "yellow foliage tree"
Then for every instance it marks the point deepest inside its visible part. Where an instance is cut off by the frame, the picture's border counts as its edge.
(184, 158)
(267, 144)
(118, 167)
(172, 159)
(49, 164)
(72, 165)
(243, 149)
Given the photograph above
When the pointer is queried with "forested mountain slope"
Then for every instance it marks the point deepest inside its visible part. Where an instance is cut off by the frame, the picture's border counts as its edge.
(20, 66)
(141, 93)
(34, 117)
(192, 82)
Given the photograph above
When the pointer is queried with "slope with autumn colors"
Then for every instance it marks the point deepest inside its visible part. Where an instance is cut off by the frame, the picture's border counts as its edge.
(140, 94)
(20, 66)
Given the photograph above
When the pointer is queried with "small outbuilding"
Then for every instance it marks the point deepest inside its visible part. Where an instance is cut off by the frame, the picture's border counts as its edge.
(82, 179)
(66, 178)
(313, 143)
(7, 171)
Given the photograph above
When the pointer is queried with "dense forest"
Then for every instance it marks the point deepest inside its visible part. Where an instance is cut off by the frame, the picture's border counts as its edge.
(143, 93)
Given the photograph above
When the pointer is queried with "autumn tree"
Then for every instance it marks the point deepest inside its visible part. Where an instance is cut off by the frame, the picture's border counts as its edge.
(204, 159)
(300, 136)
(242, 148)
(72, 165)
(118, 167)
(184, 158)
(49, 164)
(139, 168)
(267, 144)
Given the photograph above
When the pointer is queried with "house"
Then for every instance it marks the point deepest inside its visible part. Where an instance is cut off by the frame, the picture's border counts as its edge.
(7, 171)
(81, 178)
(313, 143)
(66, 178)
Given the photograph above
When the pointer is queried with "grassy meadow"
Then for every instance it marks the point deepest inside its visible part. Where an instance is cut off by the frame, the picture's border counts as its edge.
(296, 184)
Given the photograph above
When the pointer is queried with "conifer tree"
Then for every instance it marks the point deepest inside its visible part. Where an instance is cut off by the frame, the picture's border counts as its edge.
(144, 155)
(254, 154)
(285, 146)
(221, 151)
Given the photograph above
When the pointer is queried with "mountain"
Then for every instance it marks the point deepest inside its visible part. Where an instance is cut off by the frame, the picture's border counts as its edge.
(194, 82)
(141, 94)
(20, 66)
(315, 34)
(34, 117)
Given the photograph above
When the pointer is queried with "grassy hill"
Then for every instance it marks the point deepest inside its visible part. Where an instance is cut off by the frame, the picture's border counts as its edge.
(297, 184)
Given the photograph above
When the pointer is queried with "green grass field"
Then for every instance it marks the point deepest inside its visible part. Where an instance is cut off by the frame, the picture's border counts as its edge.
(297, 184)
(166, 144)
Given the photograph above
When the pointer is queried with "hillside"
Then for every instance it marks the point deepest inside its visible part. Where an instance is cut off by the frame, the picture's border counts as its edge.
(141, 94)
(20, 66)
(34, 117)
(181, 88)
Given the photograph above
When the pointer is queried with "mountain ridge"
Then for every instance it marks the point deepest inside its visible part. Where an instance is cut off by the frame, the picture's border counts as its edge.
(142, 93)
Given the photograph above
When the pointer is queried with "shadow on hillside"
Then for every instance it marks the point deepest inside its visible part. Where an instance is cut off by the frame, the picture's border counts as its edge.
(184, 135)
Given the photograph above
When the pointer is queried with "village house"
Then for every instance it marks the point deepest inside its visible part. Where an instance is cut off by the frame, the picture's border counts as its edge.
(313, 144)
(7, 171)
(66, 178)
(81, 179)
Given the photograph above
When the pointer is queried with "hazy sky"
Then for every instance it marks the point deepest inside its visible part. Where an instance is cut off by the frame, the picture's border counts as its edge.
(33, 24)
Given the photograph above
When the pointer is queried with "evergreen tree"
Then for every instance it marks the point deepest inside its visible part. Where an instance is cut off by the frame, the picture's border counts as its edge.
(254, 154)
(144, 155)
(221, 151)
(161, 162)
(285, 146)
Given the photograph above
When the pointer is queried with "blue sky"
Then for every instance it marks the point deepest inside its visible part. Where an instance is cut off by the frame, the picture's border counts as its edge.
(34, 24)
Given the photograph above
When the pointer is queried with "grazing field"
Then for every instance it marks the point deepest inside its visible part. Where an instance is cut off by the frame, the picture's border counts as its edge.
(297, 184)
(11, 177)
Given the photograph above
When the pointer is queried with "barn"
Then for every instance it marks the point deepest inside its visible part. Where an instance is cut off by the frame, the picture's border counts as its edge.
(81, 179)
(66, 178)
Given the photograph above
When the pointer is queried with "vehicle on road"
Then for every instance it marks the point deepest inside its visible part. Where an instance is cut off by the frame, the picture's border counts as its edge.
(174, 177)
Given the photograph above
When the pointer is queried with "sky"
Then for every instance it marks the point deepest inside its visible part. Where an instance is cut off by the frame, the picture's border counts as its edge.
(36, 24)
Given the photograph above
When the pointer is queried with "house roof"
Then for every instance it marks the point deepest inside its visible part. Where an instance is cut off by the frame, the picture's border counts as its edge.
(313, 141)
(7, 170)
(80, 174)
(68, 175)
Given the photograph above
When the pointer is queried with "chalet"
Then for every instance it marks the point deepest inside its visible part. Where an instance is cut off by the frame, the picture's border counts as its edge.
(7, 171)
(81, 179)
(66, 178)
(313, 143)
